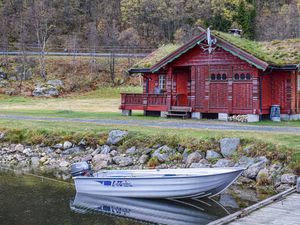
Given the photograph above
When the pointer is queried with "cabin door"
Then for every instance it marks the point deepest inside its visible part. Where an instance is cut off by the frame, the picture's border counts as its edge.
(180, 97)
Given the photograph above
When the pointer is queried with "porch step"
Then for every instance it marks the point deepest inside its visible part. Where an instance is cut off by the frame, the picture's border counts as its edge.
(183, 115)
(180, 109)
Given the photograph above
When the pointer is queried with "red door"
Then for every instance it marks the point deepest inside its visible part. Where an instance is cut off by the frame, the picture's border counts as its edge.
(182, 88)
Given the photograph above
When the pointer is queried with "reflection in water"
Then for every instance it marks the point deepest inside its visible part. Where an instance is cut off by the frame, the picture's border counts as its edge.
(162, 211)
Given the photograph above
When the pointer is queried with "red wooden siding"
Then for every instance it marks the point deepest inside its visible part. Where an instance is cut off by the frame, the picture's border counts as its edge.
(218, 95)
(242, 96)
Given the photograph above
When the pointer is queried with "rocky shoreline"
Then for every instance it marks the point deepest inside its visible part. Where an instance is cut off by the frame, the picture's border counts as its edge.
(261, 172)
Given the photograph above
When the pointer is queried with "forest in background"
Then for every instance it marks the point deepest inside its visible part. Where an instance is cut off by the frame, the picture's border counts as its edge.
(119, 26)
(138, 24)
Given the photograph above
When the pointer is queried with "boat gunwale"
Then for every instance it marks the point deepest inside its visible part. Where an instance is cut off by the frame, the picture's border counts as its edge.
(239, 169)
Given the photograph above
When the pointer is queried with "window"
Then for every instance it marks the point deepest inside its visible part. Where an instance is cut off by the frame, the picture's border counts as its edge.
(162, 82)
(218, 76)
(213, 76)
(242, 76)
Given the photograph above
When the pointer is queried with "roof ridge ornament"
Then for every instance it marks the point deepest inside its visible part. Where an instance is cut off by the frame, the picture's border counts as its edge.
(210, 42)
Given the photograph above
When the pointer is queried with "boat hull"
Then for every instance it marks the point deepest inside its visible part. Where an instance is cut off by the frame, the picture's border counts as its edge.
(179, 186)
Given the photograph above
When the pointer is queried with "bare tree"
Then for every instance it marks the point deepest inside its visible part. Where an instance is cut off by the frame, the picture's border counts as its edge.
(44, 27)
(93, 39)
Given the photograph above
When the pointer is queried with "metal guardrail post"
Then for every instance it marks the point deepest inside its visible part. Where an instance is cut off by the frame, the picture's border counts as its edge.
(298, 185)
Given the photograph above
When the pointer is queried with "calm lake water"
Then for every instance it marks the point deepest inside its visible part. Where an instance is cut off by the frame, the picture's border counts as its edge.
(30, 200)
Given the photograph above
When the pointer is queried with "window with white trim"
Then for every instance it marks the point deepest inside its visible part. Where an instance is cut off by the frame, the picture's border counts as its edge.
(162, 81)
(298, 83)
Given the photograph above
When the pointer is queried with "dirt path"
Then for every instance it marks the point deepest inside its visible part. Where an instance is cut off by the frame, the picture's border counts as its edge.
(201, 125)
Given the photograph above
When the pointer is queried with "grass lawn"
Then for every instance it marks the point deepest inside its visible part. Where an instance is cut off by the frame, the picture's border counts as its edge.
(288, 144)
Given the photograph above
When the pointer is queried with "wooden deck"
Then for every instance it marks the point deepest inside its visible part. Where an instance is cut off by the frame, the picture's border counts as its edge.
(280, 209)
(284, 212)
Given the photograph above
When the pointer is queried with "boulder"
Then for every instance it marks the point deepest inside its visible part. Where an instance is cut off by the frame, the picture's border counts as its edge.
(283, 187)
(227, 200)
(163, 153)
(67, 145)
(34, 161)
(143, 159)
(245, 162)
(224, 163)
(113, 153)
(252, 171)
(263, 177)
(45, 91)
(288, 178)
(131, 150)
(123, 161)
(116, 136)
(19, 148)
(211, 154)
(57, 146)
(3, 83)
(199, 165)
(72, 151)
(229, 146)
(64, 164)
(194, 157)
(2, 135)
(102, 157)
(104, 149)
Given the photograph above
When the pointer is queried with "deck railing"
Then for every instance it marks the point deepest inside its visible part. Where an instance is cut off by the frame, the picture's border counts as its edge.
(143, 99)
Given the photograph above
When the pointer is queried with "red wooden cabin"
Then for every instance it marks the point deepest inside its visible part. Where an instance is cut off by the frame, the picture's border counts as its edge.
(239, 77)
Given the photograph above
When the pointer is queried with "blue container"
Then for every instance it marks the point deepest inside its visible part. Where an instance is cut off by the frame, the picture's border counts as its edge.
(275, 113)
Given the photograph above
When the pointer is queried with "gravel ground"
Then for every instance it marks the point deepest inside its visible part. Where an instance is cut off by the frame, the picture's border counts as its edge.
(201, 125)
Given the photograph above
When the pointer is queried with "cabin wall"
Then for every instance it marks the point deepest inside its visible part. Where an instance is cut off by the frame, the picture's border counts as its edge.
(228, 95)
(278, 88)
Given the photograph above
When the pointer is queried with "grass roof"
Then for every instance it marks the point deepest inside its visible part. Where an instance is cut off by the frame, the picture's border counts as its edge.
(277, 52)
(156, 56)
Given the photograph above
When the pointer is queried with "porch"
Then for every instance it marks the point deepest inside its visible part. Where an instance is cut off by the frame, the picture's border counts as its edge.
(154, 102)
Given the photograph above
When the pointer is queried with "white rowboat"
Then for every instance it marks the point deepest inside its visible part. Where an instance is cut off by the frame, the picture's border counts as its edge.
(158, 183)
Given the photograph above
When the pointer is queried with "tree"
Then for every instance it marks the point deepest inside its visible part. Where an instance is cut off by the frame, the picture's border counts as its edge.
(43, 22)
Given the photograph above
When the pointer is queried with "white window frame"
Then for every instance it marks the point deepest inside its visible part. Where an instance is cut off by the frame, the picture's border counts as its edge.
(162, 81)
(298, 82)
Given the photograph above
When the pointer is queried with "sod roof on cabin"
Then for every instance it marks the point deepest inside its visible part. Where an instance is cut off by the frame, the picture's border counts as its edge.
(277, 52)
(156, 56)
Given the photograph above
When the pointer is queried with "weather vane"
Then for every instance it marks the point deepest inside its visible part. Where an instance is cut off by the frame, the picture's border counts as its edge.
(210, 42)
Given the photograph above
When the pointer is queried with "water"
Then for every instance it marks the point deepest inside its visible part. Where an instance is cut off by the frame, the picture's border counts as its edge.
(31, 200)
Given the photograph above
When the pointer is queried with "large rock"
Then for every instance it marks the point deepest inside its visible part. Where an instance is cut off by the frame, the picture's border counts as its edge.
(67, 145)
(19, 148)
(35, 161)
(72, 151)
(143, 159)
(102, 158)
(45, 91)
(253, 170)
(3, 83)
(245, 162)
(263, 177)
(229, 146)
(64, 164)
(211, 154)
(131, 150)
(163, 153)
(224, 163)
(194, 157)
(288, 178)
(104, 149)
(123, 161)
(227, 200)
(116, 136)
